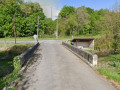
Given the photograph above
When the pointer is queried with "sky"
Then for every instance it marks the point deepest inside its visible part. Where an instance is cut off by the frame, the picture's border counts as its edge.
(55, 6)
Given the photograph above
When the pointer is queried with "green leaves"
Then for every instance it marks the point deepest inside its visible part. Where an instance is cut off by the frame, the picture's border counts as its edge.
(17, 64)
(66, 11)
(26, 18)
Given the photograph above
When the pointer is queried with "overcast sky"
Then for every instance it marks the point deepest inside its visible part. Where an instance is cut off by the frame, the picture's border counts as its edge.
(48, 6)
(56, 5)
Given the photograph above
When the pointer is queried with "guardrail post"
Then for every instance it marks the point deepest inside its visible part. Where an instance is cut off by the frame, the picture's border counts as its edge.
(95, 58)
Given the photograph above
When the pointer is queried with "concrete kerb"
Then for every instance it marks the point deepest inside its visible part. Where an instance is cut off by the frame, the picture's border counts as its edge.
(83, 59)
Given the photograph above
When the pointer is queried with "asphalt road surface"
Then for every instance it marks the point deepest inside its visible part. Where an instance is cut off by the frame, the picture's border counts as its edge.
(59, 69)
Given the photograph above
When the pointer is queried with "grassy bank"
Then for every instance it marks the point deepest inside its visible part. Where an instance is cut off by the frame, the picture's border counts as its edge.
(6, 67)
(110, 67)
(10, 66)
(110, 74)
(47, 38)
(12, 76)
(18, 39)
(11, 49)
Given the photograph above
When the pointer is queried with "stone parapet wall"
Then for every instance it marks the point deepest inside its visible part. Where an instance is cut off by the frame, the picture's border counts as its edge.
(27, 54)
(91, 58)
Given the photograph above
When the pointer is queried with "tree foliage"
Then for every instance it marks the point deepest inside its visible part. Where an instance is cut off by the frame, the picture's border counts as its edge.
(72, 21)
(86, 21)
(26, 19)
(66, 10)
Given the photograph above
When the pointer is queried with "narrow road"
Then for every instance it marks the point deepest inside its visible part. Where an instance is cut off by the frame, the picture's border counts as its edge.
(59, 69)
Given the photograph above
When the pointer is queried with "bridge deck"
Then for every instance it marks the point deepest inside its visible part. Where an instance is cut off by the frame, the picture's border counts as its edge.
(59, 69)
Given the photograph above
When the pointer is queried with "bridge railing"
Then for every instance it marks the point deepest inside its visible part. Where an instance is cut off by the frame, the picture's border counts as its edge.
(27, 54)
(90, 58)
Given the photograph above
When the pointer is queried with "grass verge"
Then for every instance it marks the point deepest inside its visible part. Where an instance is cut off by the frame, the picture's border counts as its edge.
(109, 66)
(110, 74)
(46, 37)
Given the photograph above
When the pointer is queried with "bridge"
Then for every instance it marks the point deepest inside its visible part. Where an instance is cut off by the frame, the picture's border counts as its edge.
(58, 69)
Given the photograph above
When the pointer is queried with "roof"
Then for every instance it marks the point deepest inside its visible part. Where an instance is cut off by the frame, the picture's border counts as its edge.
(82, 39)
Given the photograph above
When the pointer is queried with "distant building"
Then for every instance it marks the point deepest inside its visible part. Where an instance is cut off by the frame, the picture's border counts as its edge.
(83, 43)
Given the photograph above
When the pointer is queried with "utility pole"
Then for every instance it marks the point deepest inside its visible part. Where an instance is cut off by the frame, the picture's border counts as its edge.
(51, 12)
(57, 29)
(38, 29)
(14, 30)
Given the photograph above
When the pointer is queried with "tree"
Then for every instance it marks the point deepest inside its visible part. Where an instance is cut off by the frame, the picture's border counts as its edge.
(30, 8)
(62, 26)
(89, 10)
(71, 25)
(49, 26)
(82, 19)
(110, 26)
(114, 27)
(25, 25)
(66, 11)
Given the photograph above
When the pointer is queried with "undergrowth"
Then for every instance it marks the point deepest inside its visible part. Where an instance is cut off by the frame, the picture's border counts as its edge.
(110, 67)
(13, 64)
(14, 75)
(110, 74)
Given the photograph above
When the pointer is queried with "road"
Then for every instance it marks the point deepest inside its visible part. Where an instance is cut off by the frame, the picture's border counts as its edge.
(26, 41)
(59, 69)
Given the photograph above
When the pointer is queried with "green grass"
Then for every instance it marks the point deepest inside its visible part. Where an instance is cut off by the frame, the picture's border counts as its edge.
(18, 39)
(11, 89)
(12, 50)
(89, 50)
(110, 67)
(13, 76)
(79, 36)
(8, 79)
(46, 37)
(112, 75)
(113, 59)
(116, 64)
(9, 68)
(6, 67)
